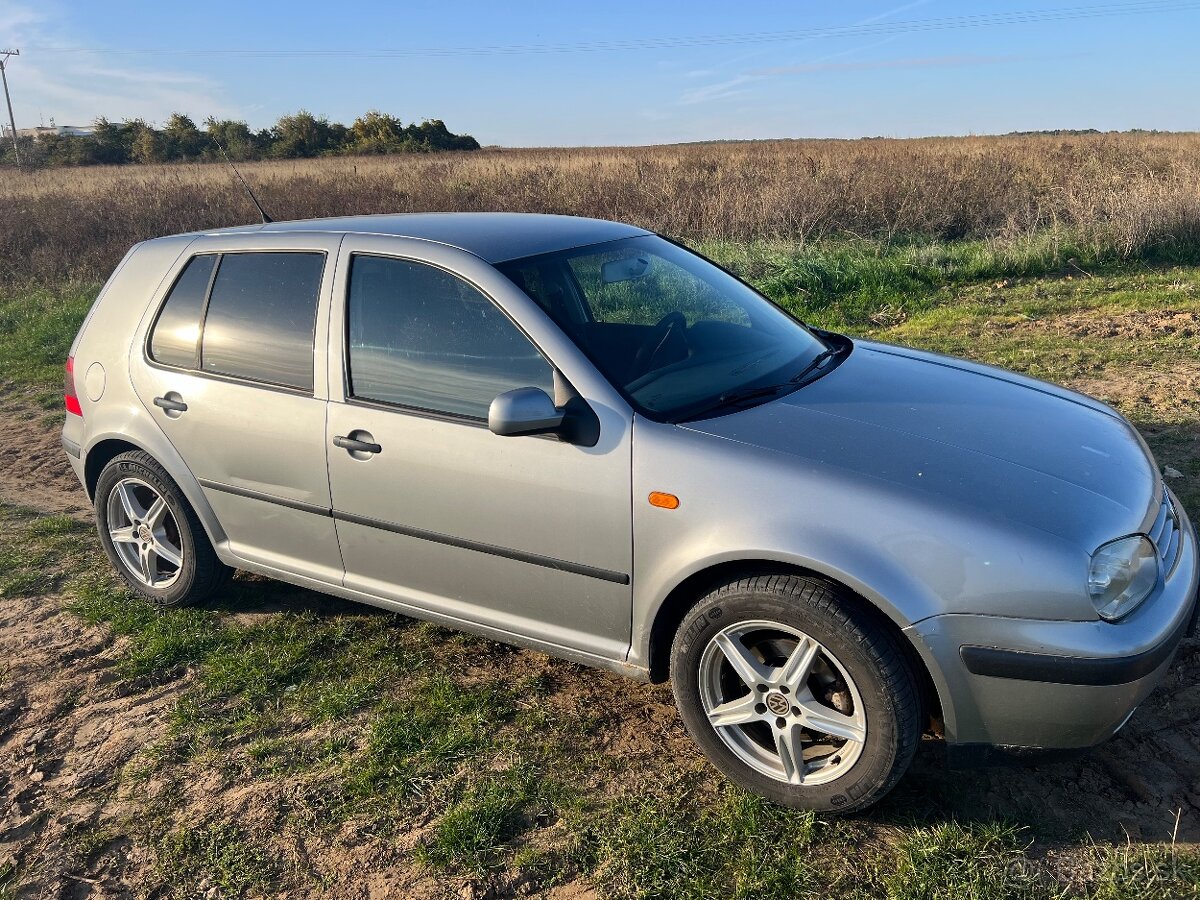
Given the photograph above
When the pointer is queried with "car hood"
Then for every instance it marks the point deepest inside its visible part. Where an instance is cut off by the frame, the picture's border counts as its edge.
(1006, 445)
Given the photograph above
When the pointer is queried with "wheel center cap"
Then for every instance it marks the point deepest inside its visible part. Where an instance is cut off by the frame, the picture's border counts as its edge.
(778, 704)
(144, 533)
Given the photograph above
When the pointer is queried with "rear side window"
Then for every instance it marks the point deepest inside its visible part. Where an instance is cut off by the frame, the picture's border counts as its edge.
(420, 337)
(176, 337)
(262, 317)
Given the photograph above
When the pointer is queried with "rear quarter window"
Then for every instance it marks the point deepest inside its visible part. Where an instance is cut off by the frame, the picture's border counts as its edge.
(175, 340)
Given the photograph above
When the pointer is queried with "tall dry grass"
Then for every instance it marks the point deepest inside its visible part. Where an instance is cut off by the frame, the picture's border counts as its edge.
(1114, 195)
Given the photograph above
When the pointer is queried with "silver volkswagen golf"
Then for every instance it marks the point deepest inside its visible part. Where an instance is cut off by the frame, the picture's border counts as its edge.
(580, 437)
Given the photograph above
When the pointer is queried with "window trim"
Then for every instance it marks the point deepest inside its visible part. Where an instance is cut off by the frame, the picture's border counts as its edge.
(212, 279)
(421, 411)
(204, 315)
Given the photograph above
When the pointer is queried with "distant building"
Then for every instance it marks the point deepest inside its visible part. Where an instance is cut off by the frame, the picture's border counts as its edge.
(56, 130)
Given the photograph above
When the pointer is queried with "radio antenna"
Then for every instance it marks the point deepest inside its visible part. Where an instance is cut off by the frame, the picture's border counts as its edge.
(267, 220)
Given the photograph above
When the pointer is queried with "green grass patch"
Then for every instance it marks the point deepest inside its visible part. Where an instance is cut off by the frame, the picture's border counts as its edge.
(159, 641)
(37, 326)
(1061, 330)
(417, 741)
(36, 554)
(948, 861)
(91, 839)
(856, 285)
(1142, 872)
(736, 845)
(8, 879)
(472, 834)
(221, 856)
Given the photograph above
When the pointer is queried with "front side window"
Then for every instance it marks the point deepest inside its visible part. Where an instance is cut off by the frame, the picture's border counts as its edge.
(422, 338)
(680, 337)
(261, 318)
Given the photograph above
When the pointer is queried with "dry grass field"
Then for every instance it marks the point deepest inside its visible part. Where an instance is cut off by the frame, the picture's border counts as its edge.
(281, 743)
(1118, 196)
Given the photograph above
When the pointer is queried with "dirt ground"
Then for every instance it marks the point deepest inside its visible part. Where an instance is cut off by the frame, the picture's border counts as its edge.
(69, 724)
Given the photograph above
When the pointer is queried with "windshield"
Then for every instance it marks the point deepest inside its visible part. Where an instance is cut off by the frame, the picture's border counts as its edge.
(676, 334)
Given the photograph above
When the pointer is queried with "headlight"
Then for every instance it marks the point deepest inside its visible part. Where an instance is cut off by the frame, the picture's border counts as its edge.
(1122, 575)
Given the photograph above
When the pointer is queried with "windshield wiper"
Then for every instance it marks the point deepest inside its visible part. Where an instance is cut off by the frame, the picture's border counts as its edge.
(745, 395)
(816, 363)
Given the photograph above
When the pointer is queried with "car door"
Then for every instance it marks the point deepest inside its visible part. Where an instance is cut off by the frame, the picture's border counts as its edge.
(530, 536)
(231, 365)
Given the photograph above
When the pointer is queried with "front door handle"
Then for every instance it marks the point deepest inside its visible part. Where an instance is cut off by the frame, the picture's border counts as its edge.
(172, 403)
(354, 445)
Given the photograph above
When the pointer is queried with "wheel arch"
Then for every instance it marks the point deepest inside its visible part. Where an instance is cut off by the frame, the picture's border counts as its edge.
(685, 595)
(108, 447)
(99, 456)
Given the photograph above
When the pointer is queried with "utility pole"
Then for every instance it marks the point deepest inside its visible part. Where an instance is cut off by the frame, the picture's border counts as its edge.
(7, 54)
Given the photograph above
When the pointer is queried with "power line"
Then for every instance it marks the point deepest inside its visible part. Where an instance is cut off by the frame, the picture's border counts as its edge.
(871, 29)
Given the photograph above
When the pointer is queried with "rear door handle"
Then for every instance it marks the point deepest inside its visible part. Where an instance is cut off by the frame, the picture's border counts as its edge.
(356, 446)
(170, 404)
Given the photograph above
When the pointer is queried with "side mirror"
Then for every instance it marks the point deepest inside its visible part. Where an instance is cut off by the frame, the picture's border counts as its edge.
(526, 410)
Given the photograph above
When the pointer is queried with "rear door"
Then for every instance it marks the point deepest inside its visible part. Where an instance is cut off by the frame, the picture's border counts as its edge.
(526, 535)
(231, 365)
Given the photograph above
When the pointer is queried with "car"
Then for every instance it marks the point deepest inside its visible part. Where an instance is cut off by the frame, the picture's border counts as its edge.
(578, 436)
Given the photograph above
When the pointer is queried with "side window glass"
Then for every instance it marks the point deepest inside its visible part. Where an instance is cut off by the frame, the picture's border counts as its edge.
(420, 337)
(262, 317)
(176, 335)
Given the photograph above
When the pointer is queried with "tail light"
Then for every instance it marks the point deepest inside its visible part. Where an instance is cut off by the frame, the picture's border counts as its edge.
(69, 395)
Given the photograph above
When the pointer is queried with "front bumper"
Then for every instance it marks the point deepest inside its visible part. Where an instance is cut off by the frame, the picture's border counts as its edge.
(1029, 683)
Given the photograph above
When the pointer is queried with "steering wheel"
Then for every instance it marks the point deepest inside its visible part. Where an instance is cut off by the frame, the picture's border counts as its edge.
(658, 338)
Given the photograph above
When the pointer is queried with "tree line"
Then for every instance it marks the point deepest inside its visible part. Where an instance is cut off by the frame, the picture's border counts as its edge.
(297, 136)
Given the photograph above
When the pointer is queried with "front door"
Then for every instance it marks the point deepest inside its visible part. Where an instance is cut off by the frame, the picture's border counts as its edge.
(228, 371)
(527, 535)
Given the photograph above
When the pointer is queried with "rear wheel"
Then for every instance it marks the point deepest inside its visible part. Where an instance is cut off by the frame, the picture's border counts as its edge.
(152, 535)
(796, 691)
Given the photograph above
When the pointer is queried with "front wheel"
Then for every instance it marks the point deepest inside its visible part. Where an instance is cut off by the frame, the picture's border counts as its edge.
(797, 692)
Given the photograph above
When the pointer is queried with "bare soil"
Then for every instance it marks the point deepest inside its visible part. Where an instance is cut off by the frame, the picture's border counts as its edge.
(34, 471)
(1136, 324)
(1150, 323)
(71, 727)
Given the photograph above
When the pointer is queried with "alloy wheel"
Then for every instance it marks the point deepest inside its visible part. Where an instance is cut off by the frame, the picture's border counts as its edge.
(781, 702)
(144, 533)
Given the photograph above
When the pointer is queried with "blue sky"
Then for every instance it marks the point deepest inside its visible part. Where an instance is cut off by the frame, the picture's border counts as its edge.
(679, 71)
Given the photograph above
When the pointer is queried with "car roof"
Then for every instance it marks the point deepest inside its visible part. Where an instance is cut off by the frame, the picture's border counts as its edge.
(493, 236)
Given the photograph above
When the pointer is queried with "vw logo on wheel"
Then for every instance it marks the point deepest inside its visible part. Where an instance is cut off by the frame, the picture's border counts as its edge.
(778, 704)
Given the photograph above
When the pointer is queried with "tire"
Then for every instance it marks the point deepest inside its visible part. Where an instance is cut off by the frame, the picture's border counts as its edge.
(768, 737)
(182, 566)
